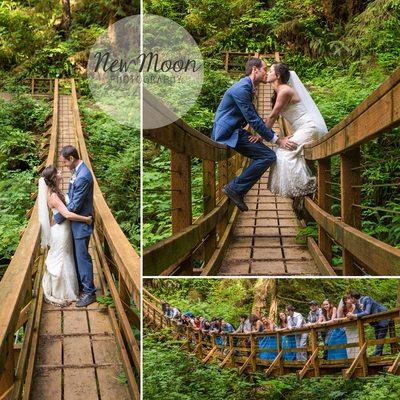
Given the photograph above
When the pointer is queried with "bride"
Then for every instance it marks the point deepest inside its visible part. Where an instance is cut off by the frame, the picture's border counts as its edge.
(290, 176)
(60, 284)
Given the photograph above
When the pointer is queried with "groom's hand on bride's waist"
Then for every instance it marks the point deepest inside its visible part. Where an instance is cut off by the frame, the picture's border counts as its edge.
(286, 143)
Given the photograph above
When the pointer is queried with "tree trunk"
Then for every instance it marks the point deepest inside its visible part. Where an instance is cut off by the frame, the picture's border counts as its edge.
(260, 296)
(65, 18)
(273, 308)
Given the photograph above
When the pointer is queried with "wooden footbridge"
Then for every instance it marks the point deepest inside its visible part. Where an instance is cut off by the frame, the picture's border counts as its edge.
(263, 240)
(246, 353)
(47, 352)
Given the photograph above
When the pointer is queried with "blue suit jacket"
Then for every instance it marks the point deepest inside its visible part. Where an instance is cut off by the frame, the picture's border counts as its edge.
(367, 306)
(80, 193)
(235, 111)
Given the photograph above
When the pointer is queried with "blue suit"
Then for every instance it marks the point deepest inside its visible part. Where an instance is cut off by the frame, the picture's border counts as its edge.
(235, 111)
(80, 193)
(367, 306)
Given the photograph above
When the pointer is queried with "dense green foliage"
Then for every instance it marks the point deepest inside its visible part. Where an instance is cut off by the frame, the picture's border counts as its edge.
(168, 367)
(172, 373)
(22, 120)
(341, 52)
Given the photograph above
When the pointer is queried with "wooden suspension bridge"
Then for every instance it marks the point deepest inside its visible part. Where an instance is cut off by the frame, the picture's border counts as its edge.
(47, 352)
(262, 241)
(243, 351)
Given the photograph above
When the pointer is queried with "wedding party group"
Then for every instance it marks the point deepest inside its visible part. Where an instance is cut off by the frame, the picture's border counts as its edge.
(351, 306)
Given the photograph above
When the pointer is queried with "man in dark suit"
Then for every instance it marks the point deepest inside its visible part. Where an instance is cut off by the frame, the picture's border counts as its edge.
(366, 305)
(235, 111)
(80, 196)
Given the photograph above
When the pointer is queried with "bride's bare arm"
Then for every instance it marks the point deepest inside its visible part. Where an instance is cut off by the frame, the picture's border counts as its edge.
(282, 100)
(63, 210)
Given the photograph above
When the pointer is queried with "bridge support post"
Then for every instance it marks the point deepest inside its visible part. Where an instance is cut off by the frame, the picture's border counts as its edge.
(208, 205)
(181, 199)
(7, 372)
(222, 181)
(314, 347)
(253, 346)
(350, 177)
(325, 202)
(362, 342)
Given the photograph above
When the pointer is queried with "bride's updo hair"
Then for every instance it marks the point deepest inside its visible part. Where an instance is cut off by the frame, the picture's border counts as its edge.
(283, 72)
(49, 175)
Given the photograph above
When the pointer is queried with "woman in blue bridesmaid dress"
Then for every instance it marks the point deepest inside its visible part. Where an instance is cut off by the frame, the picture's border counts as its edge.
(333, 335)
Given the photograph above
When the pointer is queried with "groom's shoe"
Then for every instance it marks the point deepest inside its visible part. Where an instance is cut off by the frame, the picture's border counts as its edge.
(85, 300)
(236, 198)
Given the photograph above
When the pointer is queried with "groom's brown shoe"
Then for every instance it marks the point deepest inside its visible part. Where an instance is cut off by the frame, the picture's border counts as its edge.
(236, 198)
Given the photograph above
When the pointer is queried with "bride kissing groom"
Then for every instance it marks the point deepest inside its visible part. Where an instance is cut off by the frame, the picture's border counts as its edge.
(289, 175)
(68, 275)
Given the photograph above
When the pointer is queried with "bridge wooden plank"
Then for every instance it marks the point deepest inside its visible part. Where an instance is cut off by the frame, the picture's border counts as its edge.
(380, 258)
(379, 112)
(75, 322)
(51, 380)
(49, 352)
(109, 385)
(80, 383)
(99, 323)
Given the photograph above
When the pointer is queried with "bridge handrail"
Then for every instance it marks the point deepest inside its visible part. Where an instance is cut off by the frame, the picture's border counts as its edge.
(185, 142)
(180, 136)
(377, 114)
(16, 284)
(363, 123)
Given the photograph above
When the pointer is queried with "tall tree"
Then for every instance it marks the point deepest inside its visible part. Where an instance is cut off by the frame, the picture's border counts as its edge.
(261, 289)
(273, 308)
(65, 24)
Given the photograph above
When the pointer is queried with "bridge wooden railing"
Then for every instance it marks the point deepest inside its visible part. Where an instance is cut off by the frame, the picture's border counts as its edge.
(21, 294)
(209, 233)
(235, 60)
(207, 237)
(245, 351)
(377, 114)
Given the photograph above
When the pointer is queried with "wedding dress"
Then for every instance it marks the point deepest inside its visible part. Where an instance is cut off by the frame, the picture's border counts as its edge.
(290, 175)
(60, 284)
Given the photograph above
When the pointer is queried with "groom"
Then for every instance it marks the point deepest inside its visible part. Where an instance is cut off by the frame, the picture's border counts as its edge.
(80, 193)
(235, 111)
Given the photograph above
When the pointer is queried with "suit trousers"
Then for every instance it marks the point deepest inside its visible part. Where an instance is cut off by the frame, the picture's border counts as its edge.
(381, 330)
(84, 265)
(262, 157)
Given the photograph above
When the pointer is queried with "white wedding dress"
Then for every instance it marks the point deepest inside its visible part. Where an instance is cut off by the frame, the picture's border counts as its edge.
(290, 175)
(60, 283)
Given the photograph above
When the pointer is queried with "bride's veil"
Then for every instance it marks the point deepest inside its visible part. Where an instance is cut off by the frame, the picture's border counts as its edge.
(308, 102)
(43, 213)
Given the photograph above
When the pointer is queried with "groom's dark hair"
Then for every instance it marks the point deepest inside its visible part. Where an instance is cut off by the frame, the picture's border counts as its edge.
(253, 62)
(353, 293)
(69, 151)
